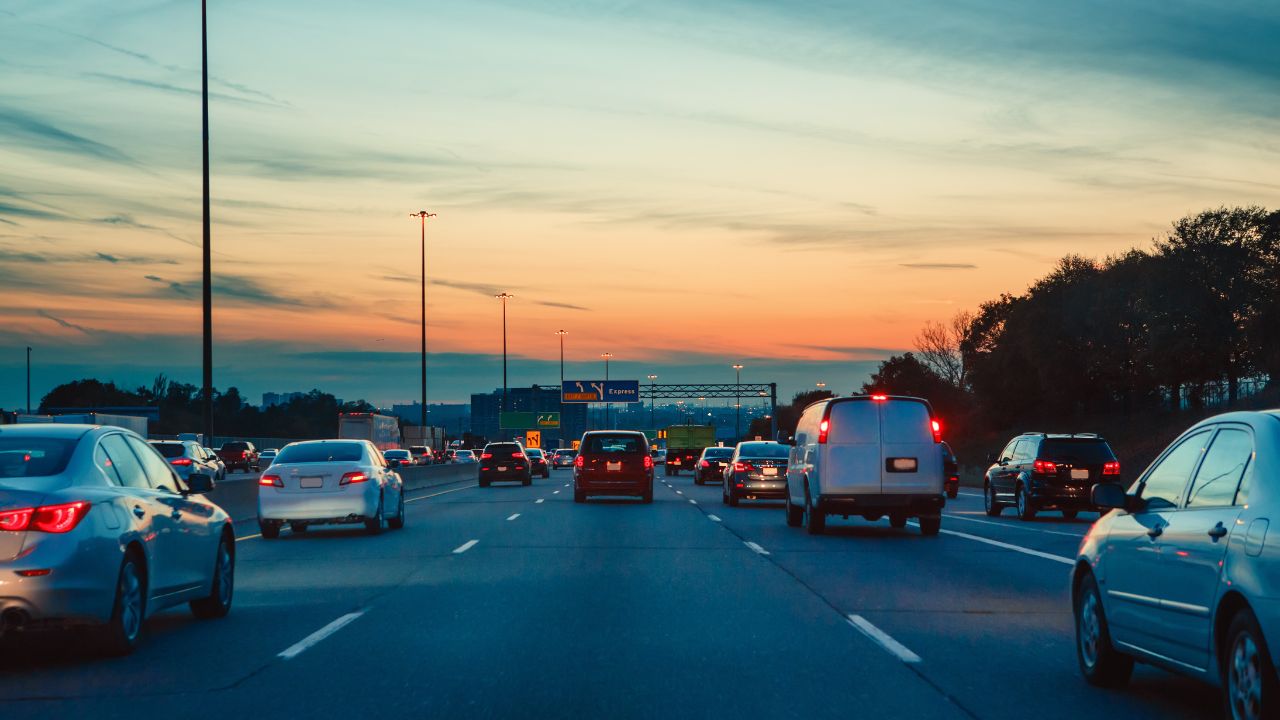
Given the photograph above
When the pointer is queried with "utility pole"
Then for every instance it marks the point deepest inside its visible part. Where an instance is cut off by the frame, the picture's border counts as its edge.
(504, 297)
(562, 333)
(653, 388)
(422, 216)
(737, 422)
(607, 405)
(206, 292)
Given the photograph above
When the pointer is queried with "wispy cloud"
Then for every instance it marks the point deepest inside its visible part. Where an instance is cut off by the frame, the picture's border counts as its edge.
(65, 323)
(939, 266)
(31, 131)
(566, 306)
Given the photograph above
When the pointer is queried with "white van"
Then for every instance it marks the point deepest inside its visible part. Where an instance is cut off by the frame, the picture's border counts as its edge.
(868, 455)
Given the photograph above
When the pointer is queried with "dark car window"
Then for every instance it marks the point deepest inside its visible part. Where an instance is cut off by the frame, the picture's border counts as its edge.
(614, 444)
(158, 471)
(763, 450)
(1076, 451)
(321, 452)
(169, 450)
(126, 465)
(236, 446)
(34, 457)
(504, 449)
(719, 453)
(533, 453)
(1163, 486)
(1025, 451)
(1224, 464)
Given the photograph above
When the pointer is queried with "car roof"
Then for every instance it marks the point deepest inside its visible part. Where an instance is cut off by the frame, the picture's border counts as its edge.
(50, 430)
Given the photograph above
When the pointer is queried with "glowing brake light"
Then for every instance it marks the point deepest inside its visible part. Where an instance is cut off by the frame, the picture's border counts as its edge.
(180, 461)
(517, 455)
(50, 518)
(271, 481)
(1111, 468)
(879, 397)
(823, 429)
(648, 463)
(579, 461)
(937, 430)
(486, 456)
(16, 520)
(1045, 467)
(353, 477)
(706, 464)
(743, 467)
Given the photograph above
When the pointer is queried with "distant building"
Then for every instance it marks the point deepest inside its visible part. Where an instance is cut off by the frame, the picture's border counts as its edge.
(455, 418)
(271, 399)
(536, 399)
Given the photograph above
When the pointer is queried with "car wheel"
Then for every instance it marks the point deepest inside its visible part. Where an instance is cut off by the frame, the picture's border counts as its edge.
(647, 496)
(815, 521)
(929, 525)
(297, 527)
(527, 481)
(270, 530)
(124, 629)
(733, 498)
(795, 515)
(1100, 663)
(1070, 514)
(1026, 510)
(898, 521)
(989, 502)
(218, 604)
(484, 483)
(579, 496)
(1248, 676)
(397, 522)
(953, 493)
(374, 524)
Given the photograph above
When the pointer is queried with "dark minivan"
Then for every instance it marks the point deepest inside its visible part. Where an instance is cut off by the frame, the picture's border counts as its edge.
(613, 462)
(1044, 471)
(504, 461)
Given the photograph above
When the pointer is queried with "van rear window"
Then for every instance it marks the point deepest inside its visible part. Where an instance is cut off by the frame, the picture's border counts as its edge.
(856, 421)
(906, 421)
(615, 444)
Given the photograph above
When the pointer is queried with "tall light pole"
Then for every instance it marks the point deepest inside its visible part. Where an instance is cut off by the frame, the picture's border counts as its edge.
(607, 405)
(504, 297)
(737, 422)
(653, 386)
(206, 292)
(562, 333)
(28, 379)
(422, 216)
(820, 385)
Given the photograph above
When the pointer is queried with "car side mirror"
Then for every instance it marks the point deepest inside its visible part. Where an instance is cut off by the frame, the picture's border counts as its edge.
(1109, 495)
(199, 484)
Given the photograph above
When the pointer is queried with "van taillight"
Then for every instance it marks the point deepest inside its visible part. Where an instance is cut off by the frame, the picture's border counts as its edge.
(879, 397)
(1111, 468)
(823, 428)
(937, 430)
(579, 461)
(648, 463)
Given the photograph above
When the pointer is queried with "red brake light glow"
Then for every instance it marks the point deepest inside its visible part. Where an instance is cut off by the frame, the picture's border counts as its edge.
(579, 461)
(648, 463)
(937, 430)
(353, 477)
(743, 466)
(706, 464)
(59, 518)
(271, 480)
(516, 455)
(180, 461)
(1045, 467)
(1111, 468)
(486, 456)
(16, 520)
(823, 428)
(879, 397)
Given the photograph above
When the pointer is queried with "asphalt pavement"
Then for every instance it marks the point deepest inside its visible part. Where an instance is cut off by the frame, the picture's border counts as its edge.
(513, 601)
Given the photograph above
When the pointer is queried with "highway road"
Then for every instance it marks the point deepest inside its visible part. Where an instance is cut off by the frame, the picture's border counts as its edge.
(514, 602)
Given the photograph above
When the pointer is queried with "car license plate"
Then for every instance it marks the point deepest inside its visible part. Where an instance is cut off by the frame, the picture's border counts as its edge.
(770, 471)
(311, 482)
(613, 466)
(724, 464)
(1079, 474)
(502, 468)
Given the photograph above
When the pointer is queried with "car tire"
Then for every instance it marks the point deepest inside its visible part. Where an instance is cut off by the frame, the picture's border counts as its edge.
(270, 530)
(795, 515)
(815, 521)
(733, 498)
(647, 496)
(527, 481)
(218, 604)
(989, 502)
(297, 527)
(484, 483)
(124, 630)
(1026, 509)
(373, 525)
(579, 496)
(397, 522)
(1070, 514)
(1100, 663)
(898, 521)
(1249, 684)
(953, 494)
(930, 525)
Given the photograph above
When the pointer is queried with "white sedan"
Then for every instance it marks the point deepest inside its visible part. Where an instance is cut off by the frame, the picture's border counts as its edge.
(325, 482)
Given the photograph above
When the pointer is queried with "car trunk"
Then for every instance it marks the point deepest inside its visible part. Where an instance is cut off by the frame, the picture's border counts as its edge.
(16, 498)
(315, 477)
(614, 466)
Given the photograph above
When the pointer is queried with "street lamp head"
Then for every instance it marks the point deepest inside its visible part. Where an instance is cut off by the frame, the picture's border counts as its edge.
(504, 296)
(737, 367)
(606, 356)
(653, 377)
(422, 214)
(562, 332)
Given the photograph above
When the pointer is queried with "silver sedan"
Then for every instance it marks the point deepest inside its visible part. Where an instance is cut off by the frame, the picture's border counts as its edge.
(1181, 573)
(323, 482)
(96, 529)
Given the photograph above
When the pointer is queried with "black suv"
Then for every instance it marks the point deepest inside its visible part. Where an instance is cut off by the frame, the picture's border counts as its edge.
(1042, 471)
(504, 461)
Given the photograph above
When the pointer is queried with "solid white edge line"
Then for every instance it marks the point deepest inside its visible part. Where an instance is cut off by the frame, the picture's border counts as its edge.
(1020, 526)
(713, 518)
(1007, 546)
(514, 516)
(249, 537)
(883, 639)
(446, 492)
(297, 648)
(755, 548)
(465, 547)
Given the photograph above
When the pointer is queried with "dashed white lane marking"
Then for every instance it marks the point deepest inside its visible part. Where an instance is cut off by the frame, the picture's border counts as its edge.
(555, 492)
(566, 484)
(1077, 536)
(299, 647)
(977, 495)
(755, 548)
(692, 501)
(538, 501)
(249, 537)
(883, 639)
(445, 492)
(514, 516)
(679, 493)
(1006, 546)
(465, 547)
(713, 518)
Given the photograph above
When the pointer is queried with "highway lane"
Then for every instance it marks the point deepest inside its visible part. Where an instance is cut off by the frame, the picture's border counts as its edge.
(493, 604)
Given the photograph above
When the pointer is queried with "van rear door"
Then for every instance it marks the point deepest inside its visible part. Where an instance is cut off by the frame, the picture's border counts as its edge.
(851, 463)
(911, 462)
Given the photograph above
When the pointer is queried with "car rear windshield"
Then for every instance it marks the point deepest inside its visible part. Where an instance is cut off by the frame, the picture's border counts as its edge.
(170, 450)
(533, 452)
(240, 446)
(34, 457)
(418, 448)
(496, 448)
(719, 452)
(396, 454)
(465, 453)
(321, 452)
(1076, 451)
(763, 450)
(614, 444)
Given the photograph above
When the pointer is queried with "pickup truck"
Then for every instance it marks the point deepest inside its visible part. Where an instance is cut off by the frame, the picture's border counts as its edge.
(239, 454)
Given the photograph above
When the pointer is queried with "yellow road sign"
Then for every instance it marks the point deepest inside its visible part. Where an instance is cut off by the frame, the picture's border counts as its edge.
(533, 439)
(576, 444)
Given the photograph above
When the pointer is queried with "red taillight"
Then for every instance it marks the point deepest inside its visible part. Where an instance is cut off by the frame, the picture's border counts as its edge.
(517, 455)
(486, 456)
(743, 467)
(34, 573)
(353, 477)
(180, 461)
(706, 464)
(579, 461)
(823, 429)
(648, 463)
(879, 397)
(936, 427)
(271, 480)
(1046, 467)
(59, 518)
(16, 520)
(1111, 468)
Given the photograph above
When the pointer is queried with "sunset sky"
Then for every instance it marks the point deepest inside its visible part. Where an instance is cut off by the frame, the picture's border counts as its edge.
(797, 186)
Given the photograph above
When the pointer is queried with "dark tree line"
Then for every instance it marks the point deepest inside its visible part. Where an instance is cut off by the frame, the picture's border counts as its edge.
(313, 415)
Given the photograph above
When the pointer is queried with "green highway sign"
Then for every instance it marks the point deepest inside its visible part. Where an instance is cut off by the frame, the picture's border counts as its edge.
(516, 420)
(548, 420)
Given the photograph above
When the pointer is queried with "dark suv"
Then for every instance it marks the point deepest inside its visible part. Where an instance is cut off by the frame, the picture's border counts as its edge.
(613, 462)
(504, 461)
(1042, 471)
